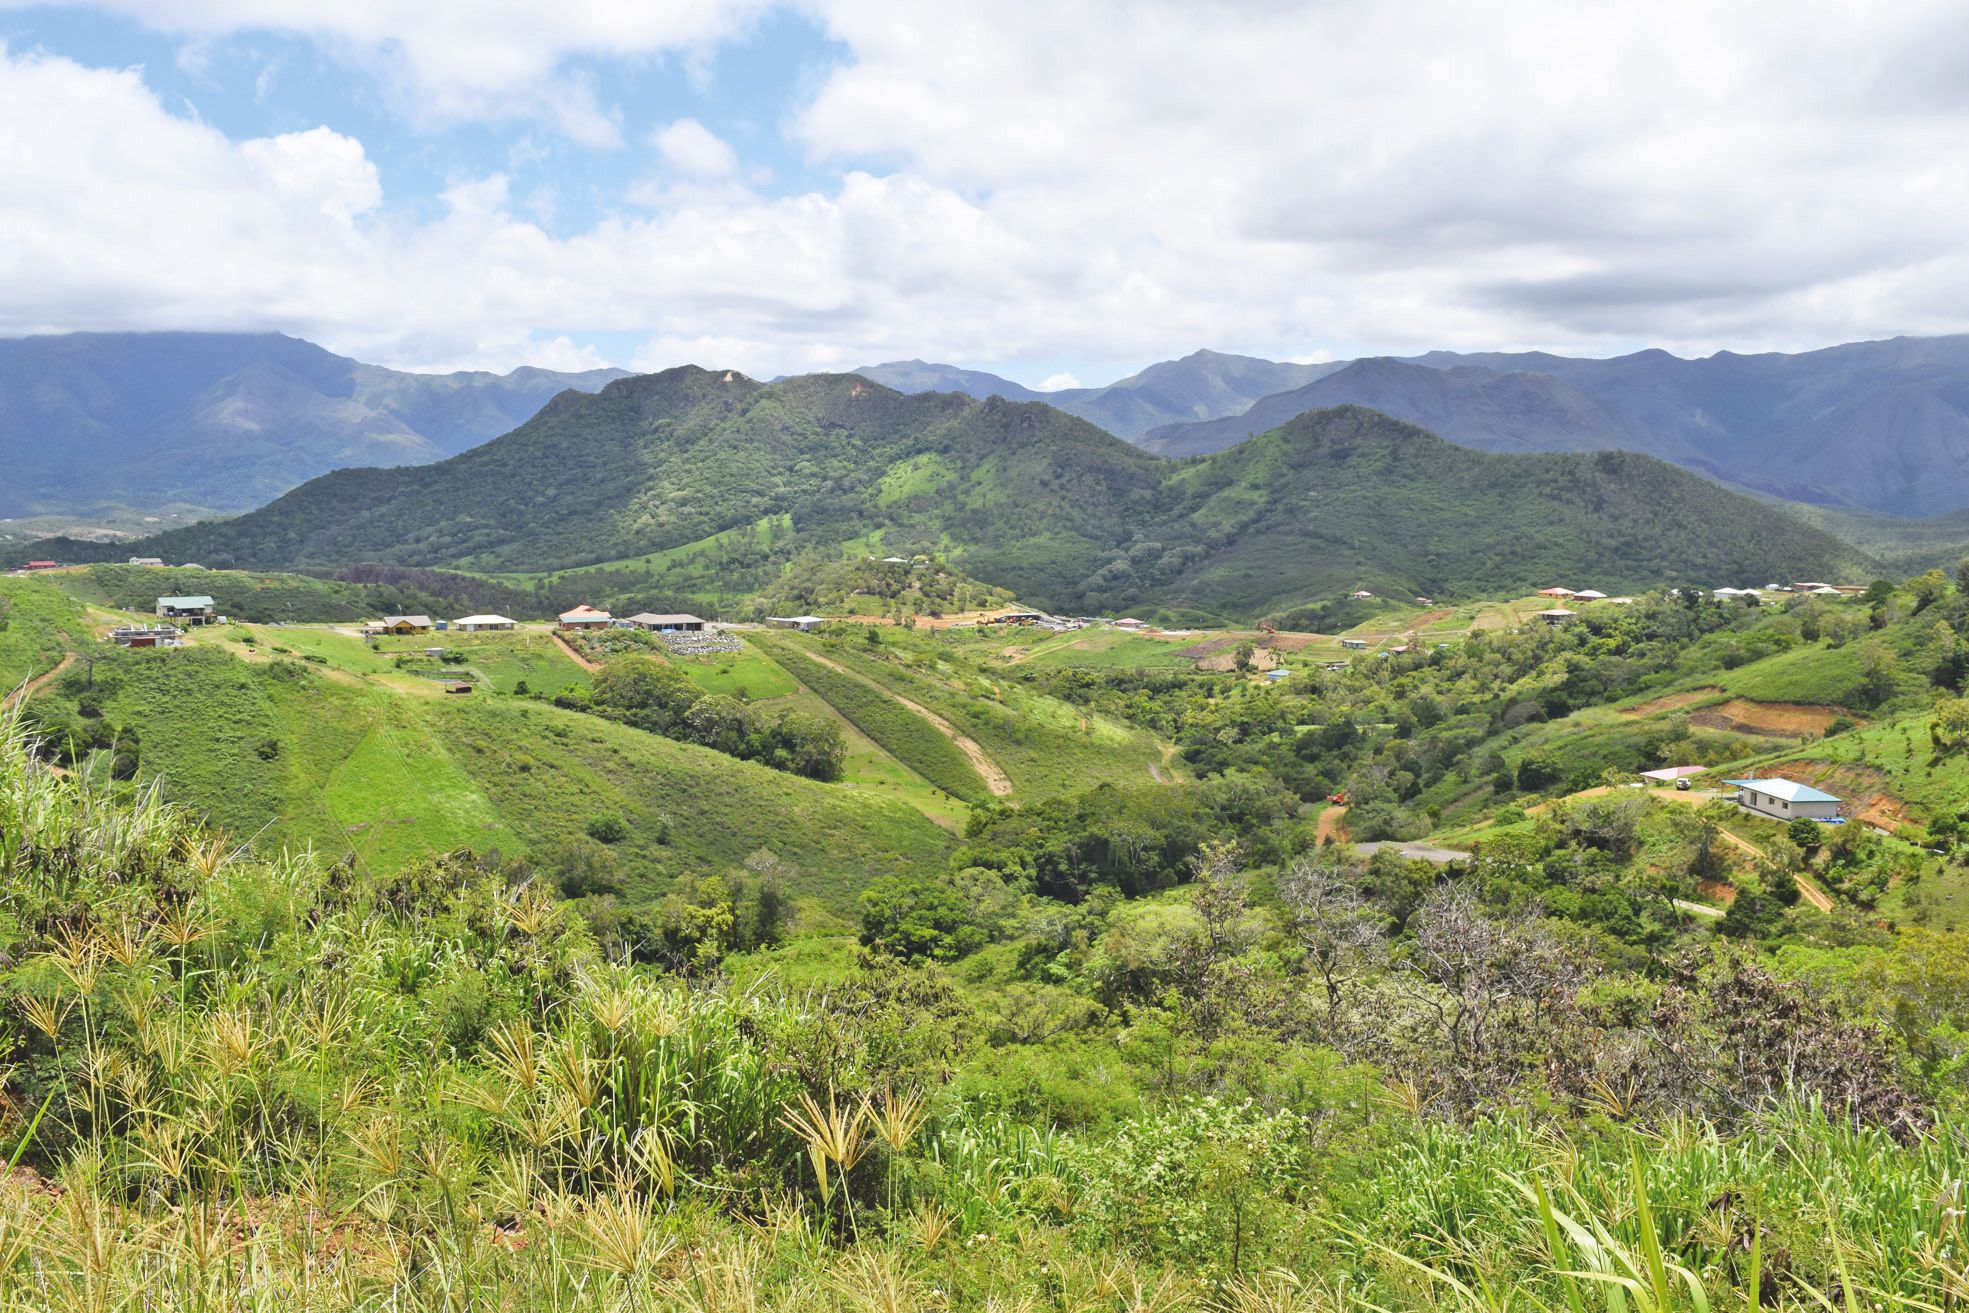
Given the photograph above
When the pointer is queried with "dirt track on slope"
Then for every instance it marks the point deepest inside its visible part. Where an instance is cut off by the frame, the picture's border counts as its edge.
(994, 778)
(1670, 702)
(1332, 826)
(39, 682)
(590, 666)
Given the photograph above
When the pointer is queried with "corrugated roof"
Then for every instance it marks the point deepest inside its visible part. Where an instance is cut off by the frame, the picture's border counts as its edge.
(1786, 790)
(186, 603)
(482, 620)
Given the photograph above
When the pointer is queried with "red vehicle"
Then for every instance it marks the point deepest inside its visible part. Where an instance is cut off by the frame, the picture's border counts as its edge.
(1340, 798)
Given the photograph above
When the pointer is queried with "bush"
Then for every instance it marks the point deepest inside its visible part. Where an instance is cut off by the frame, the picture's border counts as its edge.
(607, 828)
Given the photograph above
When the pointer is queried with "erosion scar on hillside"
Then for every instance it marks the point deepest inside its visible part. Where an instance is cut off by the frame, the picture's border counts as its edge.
(987, 769)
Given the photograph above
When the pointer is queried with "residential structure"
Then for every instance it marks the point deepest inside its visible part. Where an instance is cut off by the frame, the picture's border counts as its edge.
(1557, 615)
(146, 560)
(479, 624)
(1354, 644)
(1589, 595)
(1785, 800)
(667, 624)
(803, 623)
(586, 617)
(407, 624)
(199, 610)
(1669, 774)
(1560, 593)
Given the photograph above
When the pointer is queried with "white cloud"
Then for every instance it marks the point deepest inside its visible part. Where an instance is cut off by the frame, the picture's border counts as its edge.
(1017, 180)
(1056, 382)
(690, 148)
(467, 59)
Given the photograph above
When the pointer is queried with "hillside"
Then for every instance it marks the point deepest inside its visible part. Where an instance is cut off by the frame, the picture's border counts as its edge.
(658, 473)
(1201, 386)
(1475, 407)
(1879, 426)
(225, 421)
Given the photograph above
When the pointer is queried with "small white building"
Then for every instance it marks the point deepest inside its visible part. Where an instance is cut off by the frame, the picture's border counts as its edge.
(1557, 615)
(480, 624)
(1785, 800)
(803, 623)
(1354, 644)
(147, 560)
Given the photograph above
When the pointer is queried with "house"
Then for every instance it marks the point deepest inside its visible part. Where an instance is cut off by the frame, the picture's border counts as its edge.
(1557, 615)
(458, 688)
(1361, 595)
(803, 623)
(1785, 800)
(1129, 622)
(198, 610)
(146, 635)
(1560, 593)
(407, 624)
(41, 565)
(586, 617)
(1669, 774)
(1589, 595)
(1811, 586)
(1354, 644)
(479, 624)
(146, 560)
(667, 624)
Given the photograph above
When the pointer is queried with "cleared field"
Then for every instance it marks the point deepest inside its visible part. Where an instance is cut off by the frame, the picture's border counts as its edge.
(1776, 719)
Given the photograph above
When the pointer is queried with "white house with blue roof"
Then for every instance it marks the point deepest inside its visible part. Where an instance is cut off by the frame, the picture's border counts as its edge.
(1785, 800)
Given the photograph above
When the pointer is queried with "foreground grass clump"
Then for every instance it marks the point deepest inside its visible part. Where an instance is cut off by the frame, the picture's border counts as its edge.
(249, 1084)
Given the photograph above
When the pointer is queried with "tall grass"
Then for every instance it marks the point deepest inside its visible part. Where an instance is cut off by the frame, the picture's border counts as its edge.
(247, 1084)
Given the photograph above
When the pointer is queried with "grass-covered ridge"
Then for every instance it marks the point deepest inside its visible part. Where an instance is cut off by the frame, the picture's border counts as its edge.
(697, 483)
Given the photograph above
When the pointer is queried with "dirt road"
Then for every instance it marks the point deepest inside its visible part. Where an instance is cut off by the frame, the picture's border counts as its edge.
(39, 682)
(981, 762)
(590, 666)
(1332, 826)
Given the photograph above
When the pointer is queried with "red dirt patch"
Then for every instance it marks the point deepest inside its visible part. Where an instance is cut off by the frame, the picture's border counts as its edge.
(1670, 702)
(1863, 786)
(1785, 720)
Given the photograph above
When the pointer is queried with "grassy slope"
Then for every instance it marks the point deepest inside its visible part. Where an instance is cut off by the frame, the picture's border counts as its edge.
(388, 768)
(908, 737)
(1043, 744)
(36, 625)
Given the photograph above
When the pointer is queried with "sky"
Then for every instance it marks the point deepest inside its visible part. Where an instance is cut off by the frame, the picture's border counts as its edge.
(1057, 190)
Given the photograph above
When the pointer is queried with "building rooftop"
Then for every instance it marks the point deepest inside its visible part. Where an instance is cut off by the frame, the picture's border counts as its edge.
(1786, 790)
(186, 603)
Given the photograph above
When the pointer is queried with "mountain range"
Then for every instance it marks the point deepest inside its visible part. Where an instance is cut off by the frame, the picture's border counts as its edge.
(709, 470)
(1203, 385)
(1878, 426)
(226, 421)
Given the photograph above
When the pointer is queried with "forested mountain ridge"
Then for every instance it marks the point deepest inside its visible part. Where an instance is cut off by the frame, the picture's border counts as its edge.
(1019, 496)
(1881, 426)
(1482, 408)
(229, 420)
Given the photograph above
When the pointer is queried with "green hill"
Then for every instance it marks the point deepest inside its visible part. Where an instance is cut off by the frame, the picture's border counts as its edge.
(656, 473)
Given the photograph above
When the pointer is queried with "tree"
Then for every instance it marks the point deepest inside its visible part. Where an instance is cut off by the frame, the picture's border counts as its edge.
(1878, 667)
(1948, 724)
(1928, 588)
(912, 917)
(1804, 832)
(1340, 933)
